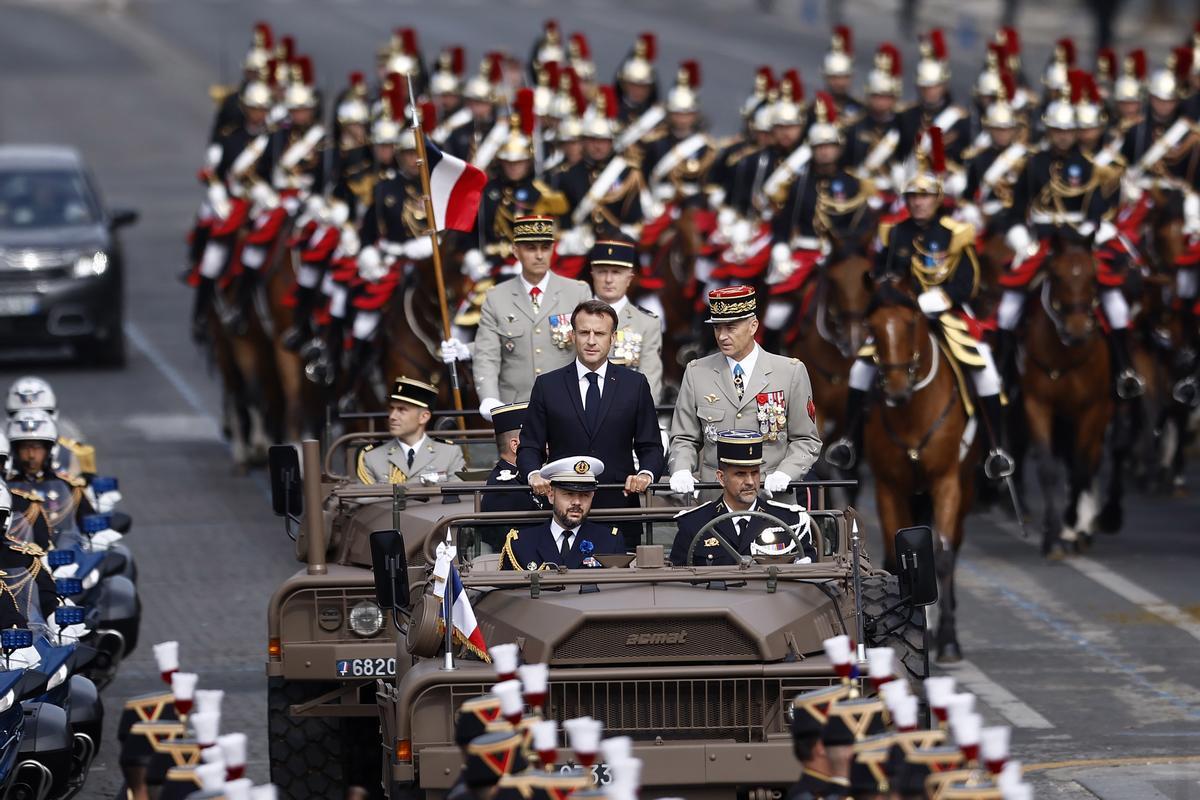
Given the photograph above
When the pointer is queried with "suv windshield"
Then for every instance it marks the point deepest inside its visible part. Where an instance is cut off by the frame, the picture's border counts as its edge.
(45, 198)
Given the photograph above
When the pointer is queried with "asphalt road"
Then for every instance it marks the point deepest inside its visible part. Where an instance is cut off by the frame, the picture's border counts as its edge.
(1093, 660)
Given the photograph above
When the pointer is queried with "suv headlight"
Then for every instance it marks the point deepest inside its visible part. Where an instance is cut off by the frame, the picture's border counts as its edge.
(366, 618)
(90, 265)
(6, 702)
(57, 678)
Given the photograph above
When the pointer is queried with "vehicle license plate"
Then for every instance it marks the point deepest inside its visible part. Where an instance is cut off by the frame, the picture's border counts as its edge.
(18, 305)
(601, 774)
(366, 668)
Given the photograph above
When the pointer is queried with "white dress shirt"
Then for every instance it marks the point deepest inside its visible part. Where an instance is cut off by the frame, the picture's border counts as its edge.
(747, 365)
(412, 448)
(619, 306)
(739, 523)
(543, 284)
(558, 532)
(582, 372)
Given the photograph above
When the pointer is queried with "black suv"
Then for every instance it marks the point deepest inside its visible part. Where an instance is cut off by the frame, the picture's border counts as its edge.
(60, 262)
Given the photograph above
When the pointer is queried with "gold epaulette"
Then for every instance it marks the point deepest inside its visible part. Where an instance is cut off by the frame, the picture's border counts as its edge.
(28, 494)
(364, 474)
(85, 454)
(506, 550)
(885, 232)
(76, 483)
(550, 201)
(961, 233)
(217, 93)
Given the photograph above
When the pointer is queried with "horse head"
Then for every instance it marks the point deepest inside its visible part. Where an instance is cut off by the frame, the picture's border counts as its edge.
(847, 277)
(901, 336)
(1165, 221)
(1069, 294)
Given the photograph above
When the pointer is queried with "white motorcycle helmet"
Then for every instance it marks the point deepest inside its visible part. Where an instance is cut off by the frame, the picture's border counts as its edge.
(32, 425)
(5, 509)
(774, 545)
(31, 392)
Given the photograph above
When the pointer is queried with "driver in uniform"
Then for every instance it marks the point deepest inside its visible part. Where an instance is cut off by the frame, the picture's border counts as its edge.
(411, 453)
(567, 538)
(739, 472)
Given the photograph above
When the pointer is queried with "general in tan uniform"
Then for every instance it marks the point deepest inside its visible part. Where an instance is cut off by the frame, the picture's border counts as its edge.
(411, 454)
(742, 386)
(637, 341)
(525, 323)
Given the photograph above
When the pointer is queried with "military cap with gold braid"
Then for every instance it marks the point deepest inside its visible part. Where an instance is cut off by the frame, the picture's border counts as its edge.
(731, 304)
(509, 417)
(533, 229)
(493, 755)
(613, 253)
(740, 448)
(413, 392)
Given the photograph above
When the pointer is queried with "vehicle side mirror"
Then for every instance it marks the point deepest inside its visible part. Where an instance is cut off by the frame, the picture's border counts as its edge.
(123, 218)
(389, 562)
(915, 565)
(287, 497)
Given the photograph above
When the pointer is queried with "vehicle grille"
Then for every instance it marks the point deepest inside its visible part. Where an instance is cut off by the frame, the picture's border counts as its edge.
(621, 641)
(301, 611)
(677, 709)
(26, 265)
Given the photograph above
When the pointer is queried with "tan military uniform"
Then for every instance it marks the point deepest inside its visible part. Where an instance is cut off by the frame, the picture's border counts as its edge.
(777, 401)
(638, 345)
(515, 343)
(388, 462)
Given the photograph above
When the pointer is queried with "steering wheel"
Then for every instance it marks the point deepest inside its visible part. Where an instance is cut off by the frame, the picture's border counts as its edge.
(737, 557)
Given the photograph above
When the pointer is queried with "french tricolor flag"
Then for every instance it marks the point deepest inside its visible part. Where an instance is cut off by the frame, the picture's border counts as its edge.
(466, 629)
(455, 188)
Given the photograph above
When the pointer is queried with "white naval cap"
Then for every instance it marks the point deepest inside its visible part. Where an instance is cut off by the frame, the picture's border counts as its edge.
(580, 473)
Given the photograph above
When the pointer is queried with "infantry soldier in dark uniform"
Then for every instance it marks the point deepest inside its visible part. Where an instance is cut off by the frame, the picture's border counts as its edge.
(507, 420)
(935, 255)
(739, 473)
(411, 454)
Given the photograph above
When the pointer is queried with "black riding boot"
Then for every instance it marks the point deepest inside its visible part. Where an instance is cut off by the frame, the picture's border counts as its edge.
(1129, 383)
(998, 463)
(196, 245)
(200, 304)
(843, 453)
(356, 359)
(295, 336)
(1006, 355)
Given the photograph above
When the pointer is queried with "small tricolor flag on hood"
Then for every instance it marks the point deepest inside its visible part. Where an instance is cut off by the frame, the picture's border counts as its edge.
(466, 629)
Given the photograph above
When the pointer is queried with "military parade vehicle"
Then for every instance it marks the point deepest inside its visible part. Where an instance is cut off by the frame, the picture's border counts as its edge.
(696, 664)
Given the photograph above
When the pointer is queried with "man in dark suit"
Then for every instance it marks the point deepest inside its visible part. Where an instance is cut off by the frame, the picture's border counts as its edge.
(739, 455)
(507, 421)
(596, 407)
(567, 538)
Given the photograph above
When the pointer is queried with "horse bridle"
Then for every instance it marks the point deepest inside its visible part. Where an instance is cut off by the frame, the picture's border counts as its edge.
(1055, 309)
(913, 366)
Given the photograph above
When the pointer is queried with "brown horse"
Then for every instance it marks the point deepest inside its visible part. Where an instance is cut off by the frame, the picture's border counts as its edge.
(831, 330)
(1065, 388)
(913, 436)
(994, 257)
(673, 257)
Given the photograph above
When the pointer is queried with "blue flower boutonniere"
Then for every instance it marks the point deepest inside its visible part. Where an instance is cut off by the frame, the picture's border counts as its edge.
(586, 548)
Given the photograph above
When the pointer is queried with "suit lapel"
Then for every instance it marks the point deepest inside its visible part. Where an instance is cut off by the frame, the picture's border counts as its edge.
(724, 378)
(549, 298)
(758, 382)
(521, 299)
(422, 459)
(571, 386)
(606, 397)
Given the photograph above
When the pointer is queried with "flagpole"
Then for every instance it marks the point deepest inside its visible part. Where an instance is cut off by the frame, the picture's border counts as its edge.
(427, 197)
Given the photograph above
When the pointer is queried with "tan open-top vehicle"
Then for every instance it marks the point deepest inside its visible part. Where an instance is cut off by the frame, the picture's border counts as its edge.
(697, 664)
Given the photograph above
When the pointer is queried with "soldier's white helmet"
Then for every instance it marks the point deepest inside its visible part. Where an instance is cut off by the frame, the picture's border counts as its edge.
(31, 391)
(299, 95)
(353, 111)
(257, 94)
(839, 61)
(32, 425)
(1000, 115)
(387, 131)
(1164, 85)
(1060, 115)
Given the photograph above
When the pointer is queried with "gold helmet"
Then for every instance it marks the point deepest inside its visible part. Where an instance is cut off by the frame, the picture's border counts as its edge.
(300, 92)
(1131, 85)
(259, 54)
(569, 100)
(639, 66)
(989, 82)
(402, 55)
(354, 109)
(546, 91)
(600, 120)
(388, 128)
(934, 67)
(1171, 82)
(482, 86)
(764, 84)
(839, 61)
(682, 98)
(1089, 106)
(519, 144)
(550, 47)
(788, 109)
(447, 78)
(580, 55)
(1056, 76)
(1060, 113)
(257, 94)
(885, 75)
(931, 165)
(824, 129)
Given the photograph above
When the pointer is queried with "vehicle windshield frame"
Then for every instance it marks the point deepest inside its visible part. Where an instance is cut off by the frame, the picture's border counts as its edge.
(72, 184)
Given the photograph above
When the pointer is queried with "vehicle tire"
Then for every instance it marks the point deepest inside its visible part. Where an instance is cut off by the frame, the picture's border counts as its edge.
(305, 753)
(908, 636)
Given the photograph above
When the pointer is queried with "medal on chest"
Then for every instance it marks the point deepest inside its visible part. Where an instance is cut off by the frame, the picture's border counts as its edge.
(627, 348)
(560, 330)
(772, 415)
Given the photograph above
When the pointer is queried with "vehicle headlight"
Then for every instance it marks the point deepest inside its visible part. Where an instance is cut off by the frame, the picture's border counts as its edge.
(366, 618)
(57, 678)
(89, 265)
(6, 702)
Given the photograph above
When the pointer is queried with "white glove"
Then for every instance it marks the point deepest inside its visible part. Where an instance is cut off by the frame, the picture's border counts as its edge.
(682, 482)
(107, 501)
(487, 405)
(418, 249)
(104, 539)
(348, 243)
(1018, 240)
(933, 302)
(475, 266)
(969, 213)
(570, 242)
(263, 196)
(370, 264)
(454, 350)
(777, 482)
(781, 255)
(716, 197)
(955, 184)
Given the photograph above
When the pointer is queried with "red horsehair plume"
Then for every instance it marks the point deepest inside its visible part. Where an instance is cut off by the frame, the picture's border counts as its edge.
(580, 43)
(395, 95)
(523, 108)
(458, 60)
(1106, 62)
(493, 66)
(765, 77)
(287, 45)
(937, 151)
(892, 53)
(824, 102)
(937, 44)
(791, 83)
(262, 35)
(304, 66)
(569, 82)
(691, 68)
(649, 45)
(1136, 61)
(1010, 85)
(606, 97)
(1066, 46)
(408, 39)
(843, 34)
(428, 115)
(1182, 62)
(1011, 41)
(549, 73)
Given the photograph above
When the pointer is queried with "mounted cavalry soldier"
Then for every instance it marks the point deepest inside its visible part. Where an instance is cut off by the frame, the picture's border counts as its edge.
(935, 255)
(411, 455)
(1061, 191)
(676, 157)
(992, 171)
(638, 111)
(838, 70)
(935, 108)
(742, 384)
(873, 139)
(740, 458)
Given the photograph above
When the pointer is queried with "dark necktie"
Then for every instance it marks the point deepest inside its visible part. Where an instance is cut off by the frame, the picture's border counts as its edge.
(412, 453)
(564, 547)
(737, 530)
(591, 404)
(739, 381)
